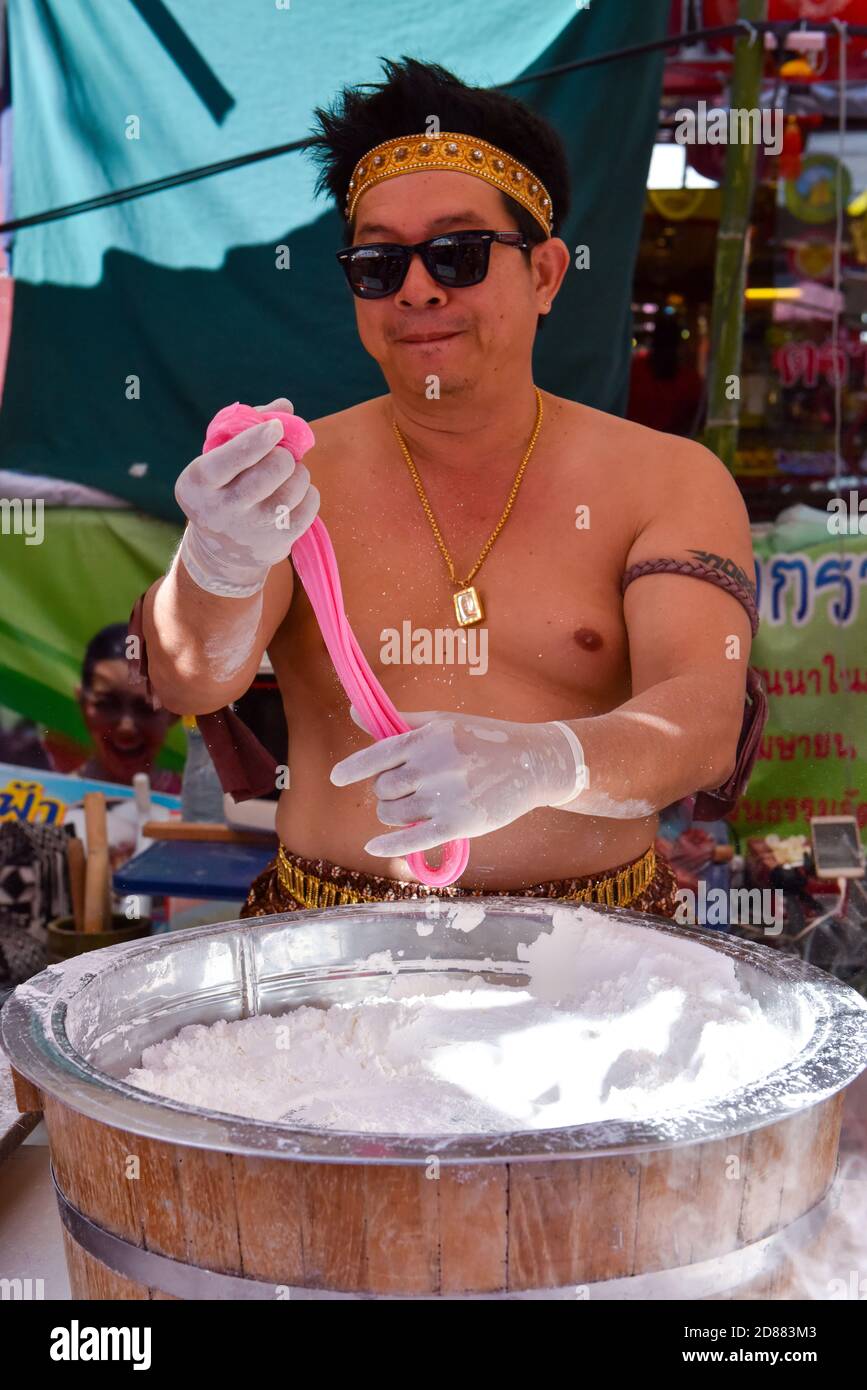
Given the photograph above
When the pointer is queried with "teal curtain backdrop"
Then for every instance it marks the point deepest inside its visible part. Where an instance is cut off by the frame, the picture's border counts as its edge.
(180, 289)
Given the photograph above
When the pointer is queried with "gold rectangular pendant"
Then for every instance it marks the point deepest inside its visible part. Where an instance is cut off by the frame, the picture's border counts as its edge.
(468, 606)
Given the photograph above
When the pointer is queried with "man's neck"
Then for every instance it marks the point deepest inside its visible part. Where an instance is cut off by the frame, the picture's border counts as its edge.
(467, 432)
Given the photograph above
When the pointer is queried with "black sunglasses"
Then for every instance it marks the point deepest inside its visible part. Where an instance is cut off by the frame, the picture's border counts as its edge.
(455, 260)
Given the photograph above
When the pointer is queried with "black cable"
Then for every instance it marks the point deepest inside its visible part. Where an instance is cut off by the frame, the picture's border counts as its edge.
(141, 190)
(637, 50)
(721, 31)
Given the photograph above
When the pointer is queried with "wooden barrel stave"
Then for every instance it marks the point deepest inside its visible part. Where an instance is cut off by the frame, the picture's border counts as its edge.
(391, 1229)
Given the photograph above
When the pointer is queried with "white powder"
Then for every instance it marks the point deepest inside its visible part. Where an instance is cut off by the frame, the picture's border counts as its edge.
(227, 652)
(616, 1022)
(460, 916)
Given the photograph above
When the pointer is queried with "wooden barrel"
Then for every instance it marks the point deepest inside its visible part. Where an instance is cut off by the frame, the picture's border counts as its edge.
(160, 1200)
(146, 1219)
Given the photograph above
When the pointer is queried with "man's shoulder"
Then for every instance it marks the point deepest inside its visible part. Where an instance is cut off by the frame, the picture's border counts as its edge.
(630, 440)
(634, 452)
(342, 425)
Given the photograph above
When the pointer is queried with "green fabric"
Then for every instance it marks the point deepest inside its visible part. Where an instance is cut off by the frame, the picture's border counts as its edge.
(180, 291)
(88, 572)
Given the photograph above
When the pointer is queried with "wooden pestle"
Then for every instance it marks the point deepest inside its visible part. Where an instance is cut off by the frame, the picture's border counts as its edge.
(206, 831)
(97, 899)
(75, 861)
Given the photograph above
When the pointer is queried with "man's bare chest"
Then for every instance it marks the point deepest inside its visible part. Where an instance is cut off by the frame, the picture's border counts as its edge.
(549, 585)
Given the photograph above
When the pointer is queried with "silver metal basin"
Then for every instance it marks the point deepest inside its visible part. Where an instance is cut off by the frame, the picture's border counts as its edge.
(77, 1028)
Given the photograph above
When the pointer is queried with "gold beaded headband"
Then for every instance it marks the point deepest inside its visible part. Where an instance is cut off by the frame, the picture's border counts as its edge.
(449, 150)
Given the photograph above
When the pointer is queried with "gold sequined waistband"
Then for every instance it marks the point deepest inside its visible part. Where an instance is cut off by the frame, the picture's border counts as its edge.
(312, 889)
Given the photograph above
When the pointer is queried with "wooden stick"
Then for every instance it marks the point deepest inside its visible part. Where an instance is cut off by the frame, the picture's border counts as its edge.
(75, 860)
(95, 821)
(96, 916)
(205, 831)
(97, 902)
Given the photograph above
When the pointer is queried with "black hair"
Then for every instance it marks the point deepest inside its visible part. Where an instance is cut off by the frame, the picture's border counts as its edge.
(23, 746)
(374, 112)
(109, 644)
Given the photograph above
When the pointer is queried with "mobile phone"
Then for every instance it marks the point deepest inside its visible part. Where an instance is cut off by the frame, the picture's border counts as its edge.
(837, 851)
(857, 900)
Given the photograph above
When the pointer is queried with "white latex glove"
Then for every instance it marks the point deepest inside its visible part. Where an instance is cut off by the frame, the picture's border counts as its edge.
(462, 776)
(247, 504)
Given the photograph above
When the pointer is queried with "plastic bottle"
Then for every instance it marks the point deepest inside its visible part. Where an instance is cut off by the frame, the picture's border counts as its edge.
(201, 792)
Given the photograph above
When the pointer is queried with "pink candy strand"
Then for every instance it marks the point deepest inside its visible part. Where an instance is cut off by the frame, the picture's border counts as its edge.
(316, 566)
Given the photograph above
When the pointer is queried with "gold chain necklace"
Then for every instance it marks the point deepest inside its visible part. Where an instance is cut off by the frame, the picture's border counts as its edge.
(467, 601)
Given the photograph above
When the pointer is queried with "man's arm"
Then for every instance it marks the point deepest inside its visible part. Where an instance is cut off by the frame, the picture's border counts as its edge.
(204, 650)
(689, 645)
(208, 620)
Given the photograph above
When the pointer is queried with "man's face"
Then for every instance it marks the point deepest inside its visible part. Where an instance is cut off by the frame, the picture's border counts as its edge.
(425, 329)
(128, 730)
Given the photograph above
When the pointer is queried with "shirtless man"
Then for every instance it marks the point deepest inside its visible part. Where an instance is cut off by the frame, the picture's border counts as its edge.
(651, 683)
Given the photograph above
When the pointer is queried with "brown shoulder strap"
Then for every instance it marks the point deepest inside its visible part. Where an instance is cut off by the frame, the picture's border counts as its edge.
(722, 801)
(696, 569)
(244, 766)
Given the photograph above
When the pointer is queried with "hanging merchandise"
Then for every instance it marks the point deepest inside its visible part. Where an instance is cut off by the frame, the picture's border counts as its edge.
(791, 155)
(676, 204)
(812, 258)
(812, 196)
